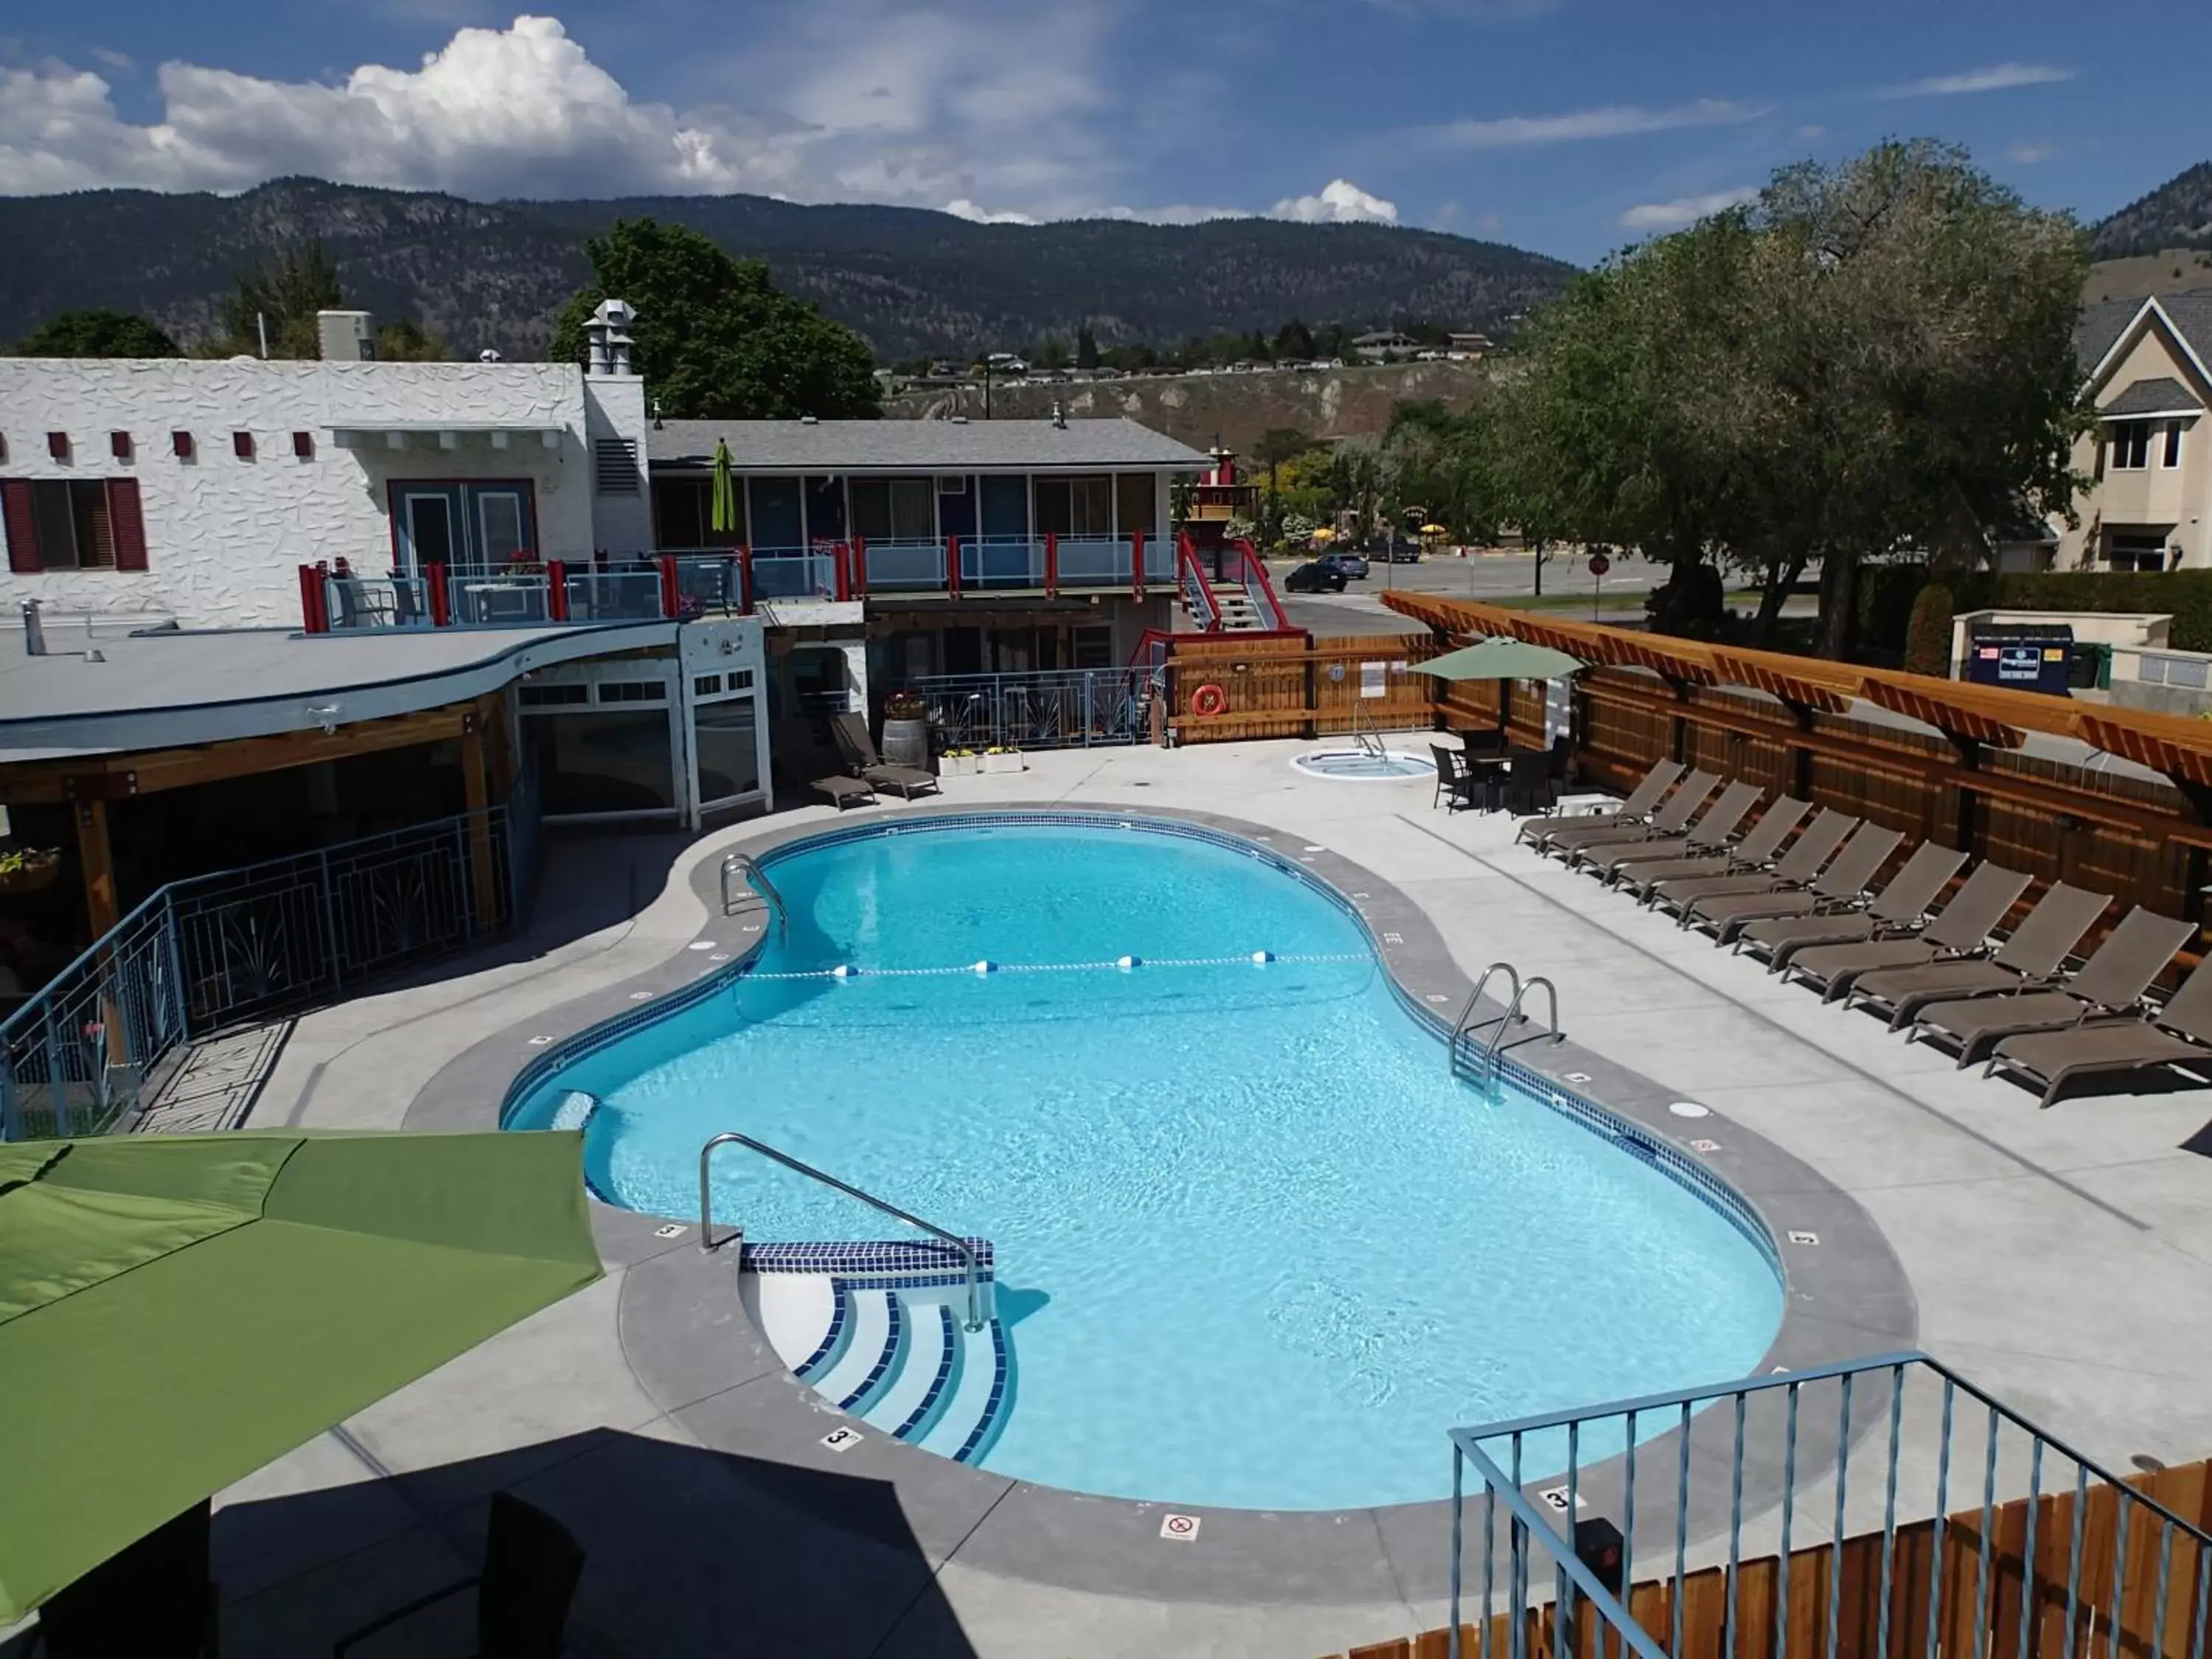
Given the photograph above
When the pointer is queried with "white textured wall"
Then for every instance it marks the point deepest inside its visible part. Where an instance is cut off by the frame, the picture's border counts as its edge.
(224, 536)
(614, 407)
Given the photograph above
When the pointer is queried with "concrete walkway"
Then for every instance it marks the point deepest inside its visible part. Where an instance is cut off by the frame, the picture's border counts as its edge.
(2058, 1258)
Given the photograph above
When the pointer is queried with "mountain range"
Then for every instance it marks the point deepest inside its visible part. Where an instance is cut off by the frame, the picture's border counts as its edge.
(914, 283)
(2177, 215)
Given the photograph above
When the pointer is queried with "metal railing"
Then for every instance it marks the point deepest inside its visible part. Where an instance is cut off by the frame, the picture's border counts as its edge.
(209, 951)
(748, 870)
(730, 1138)
(2051, 1555)
(1485, 1072)
(1047, 709)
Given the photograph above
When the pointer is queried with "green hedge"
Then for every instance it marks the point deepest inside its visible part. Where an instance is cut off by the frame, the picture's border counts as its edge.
(1887, 592)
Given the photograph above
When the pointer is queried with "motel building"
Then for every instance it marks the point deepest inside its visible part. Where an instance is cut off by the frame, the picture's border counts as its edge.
(254, 608)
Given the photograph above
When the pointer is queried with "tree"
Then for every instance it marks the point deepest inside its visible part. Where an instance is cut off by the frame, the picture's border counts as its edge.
(1928, 635)
(1276, 445)
(285, 299)
(715, 338)
(1051, 354)
(1086, 347)
(97, 334)
(1294, 340)
(407, 340)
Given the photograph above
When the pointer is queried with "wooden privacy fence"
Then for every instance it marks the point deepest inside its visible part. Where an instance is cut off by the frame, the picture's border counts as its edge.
(1290, 687)
(2062, 1605)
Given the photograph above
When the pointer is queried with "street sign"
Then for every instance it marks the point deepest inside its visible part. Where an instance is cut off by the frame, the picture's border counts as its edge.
(1599, 564)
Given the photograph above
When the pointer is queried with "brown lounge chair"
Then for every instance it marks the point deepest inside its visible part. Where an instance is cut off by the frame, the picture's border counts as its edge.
(2030, 958)
(1961, 928)
(1813, 847)
(2112, 982)
(844, 791)
(1843, 882)
(1758, 849)
(1669, 817)
(1900, 906)
(859, 749)
(2176, 1035)
(1715, 829)
(1538, 831)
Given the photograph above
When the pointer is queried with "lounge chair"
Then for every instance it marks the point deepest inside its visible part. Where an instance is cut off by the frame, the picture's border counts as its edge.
(860, 749)
(1801, 864)
(1670, 818)
(1537, 832)
(1715, 829)
(1961, 928)
(1901, 906)
(844, 791)
(2177, 1035)
(2112, 982)
(1758, 850)
(1844, 881)
(2030, 958)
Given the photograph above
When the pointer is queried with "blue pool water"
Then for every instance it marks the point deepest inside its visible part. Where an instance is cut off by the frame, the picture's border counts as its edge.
(1256, 1246)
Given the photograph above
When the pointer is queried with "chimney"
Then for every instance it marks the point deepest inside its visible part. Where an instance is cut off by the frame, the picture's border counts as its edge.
(608, 333)
(34, 630)
(345, 337)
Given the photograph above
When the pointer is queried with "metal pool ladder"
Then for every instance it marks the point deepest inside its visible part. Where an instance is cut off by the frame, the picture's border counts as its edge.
(730, 1137)
(1485, 1070)
(748, 871)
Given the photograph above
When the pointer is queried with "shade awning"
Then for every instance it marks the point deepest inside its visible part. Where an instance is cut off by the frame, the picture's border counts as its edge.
(364, 432)
(1498, 658)
(177, 1311)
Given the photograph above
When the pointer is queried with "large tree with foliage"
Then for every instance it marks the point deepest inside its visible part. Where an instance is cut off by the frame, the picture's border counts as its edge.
(284, 295)
(714, 335)
(97, 334)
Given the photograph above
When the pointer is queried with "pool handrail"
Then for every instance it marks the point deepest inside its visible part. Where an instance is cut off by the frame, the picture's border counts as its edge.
(1513, 1013)
(1461, 1029)
(731, 1137)
(756, 879)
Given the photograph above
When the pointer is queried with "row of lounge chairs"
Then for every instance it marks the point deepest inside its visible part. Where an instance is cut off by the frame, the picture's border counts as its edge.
(1798, 890)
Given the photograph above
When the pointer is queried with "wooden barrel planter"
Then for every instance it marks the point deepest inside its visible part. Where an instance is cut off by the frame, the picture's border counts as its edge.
(906, 742)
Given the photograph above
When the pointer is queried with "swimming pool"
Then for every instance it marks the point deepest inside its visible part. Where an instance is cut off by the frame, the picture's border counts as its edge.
(1255, 1245)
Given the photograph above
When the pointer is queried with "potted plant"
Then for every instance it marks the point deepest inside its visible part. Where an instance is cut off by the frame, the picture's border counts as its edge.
(28, 869)
(997, 759)
(906, 729)
(959, 764)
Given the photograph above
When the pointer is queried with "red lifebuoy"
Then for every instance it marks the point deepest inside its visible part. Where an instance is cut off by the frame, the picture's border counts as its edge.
(1208, 700)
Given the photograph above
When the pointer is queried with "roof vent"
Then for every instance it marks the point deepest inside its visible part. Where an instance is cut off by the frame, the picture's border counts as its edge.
(1059, 416)
(809, 420)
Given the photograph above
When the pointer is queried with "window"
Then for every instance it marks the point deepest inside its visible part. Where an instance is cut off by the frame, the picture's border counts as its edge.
(2139, 551)
(1135, 499)
(58, 446)
(119, 445)
(633, 692)
(728, 755)
(894, 509)
(706, 685)
(2131, 442)
(552, 696)
(1075, 506)
(615, 470)
(2170, 456)
(616, 762)
(73, 524)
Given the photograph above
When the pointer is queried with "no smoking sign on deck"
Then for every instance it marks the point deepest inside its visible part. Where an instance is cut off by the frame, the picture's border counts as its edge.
(1179, 1529)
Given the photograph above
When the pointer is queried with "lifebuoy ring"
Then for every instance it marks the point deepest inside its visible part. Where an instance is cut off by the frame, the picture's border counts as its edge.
(1208, 700)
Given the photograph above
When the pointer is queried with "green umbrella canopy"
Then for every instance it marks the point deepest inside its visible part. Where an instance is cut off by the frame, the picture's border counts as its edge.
(724, 508)
(1498, 658)
(177, 1310)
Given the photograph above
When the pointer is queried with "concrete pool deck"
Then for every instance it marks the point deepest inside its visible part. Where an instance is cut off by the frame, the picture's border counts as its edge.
(2056, 1258)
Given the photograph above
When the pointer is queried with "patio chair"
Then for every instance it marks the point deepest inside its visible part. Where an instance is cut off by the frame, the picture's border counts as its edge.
(2177, 1034)
(2030, 958)
(1561, 756)
(851, 733)
(1760, 846)
(1901, 906)
(1669, 817)
(844, 791)
(1962, 928)
(1526, 783)
(2112, 982)
(532, 1564)
(1715, 829)
(1798, 868)
(1455, 782)
(1634, 810)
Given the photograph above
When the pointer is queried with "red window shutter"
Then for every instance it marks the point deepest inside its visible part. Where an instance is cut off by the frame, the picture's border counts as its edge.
(126, 524)
(182, 443)
(22, 528)
(119, 445)
(241, 444)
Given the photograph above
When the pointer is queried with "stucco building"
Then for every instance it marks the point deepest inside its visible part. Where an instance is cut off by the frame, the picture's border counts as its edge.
(2149, 503)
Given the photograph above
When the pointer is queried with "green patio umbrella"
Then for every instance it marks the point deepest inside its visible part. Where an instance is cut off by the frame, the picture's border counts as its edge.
(724, 509)
(177, 1310)
(1498, 658)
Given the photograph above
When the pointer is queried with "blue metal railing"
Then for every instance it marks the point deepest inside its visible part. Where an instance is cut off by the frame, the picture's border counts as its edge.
(1993, 1576)
(204, 952)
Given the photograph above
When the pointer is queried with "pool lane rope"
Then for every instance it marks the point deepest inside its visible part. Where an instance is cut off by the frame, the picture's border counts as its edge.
(1119, 964)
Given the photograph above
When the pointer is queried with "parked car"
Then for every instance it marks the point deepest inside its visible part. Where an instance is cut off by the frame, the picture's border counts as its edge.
(1318, 576)
(1351, 563)
(1398, 550)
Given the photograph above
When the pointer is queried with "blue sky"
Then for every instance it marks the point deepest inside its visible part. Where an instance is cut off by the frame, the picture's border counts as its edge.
(1569, 126)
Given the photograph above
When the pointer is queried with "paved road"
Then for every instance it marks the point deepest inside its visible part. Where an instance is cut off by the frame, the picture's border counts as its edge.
(1360, 609)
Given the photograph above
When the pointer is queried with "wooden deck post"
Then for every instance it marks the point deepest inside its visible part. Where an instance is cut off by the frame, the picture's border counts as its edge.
(476, 787)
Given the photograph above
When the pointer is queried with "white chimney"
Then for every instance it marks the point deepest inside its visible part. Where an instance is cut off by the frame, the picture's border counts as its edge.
(608, 333)
(346, 337)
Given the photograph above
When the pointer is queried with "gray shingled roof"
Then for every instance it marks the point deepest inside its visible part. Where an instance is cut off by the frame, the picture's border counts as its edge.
(917, 446)
(2102, 325)
(2163, 395)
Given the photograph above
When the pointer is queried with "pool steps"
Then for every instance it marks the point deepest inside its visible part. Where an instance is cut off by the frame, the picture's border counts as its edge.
(894, 1355)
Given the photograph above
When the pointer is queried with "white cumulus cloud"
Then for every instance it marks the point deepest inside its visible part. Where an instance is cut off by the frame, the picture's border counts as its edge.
(1340, 202)
(1997, 77)
(1685, 210)
(961, 208)
(1572, 126)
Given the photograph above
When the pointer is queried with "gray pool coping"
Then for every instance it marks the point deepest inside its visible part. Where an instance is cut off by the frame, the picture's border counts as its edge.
(689, 1342)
